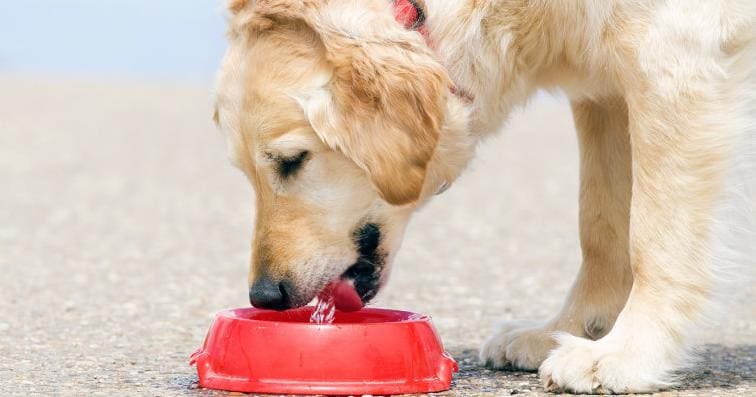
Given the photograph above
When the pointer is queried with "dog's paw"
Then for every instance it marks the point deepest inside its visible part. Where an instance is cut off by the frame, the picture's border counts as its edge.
(518, 345)
(584, 366)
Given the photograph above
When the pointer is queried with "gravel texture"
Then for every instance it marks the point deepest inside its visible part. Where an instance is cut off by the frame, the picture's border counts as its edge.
(123, 229)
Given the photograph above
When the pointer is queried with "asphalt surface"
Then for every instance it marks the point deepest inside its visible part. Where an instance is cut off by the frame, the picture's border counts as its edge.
(123, 229)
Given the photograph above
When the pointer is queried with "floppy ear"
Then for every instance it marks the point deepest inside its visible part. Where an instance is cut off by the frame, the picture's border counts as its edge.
(383, 107)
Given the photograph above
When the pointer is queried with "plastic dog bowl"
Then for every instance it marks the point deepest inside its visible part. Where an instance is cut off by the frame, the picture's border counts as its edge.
(371, 351)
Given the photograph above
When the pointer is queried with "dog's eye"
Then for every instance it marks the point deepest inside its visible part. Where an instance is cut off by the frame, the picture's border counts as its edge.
(288, 166)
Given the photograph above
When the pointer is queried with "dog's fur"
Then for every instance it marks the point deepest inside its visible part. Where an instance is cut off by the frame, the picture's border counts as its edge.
(663, 98)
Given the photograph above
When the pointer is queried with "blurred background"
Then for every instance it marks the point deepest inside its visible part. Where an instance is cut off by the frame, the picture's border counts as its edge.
(123, 228)
(156, 41)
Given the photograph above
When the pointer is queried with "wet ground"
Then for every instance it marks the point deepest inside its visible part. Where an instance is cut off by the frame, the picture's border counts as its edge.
(123, 229)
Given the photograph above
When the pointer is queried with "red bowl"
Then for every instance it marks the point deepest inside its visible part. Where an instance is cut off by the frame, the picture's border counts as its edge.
(371, 351)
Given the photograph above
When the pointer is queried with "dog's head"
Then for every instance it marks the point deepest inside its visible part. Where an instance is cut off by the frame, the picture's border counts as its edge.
(343, 123)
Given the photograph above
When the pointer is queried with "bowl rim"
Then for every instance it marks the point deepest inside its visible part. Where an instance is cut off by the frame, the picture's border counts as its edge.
(412, 318)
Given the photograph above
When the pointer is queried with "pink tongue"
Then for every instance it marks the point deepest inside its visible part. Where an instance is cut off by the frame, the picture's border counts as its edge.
(345, 296)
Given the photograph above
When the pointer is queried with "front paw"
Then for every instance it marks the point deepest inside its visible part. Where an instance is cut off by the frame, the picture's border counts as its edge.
(518, 345)
(581, 365)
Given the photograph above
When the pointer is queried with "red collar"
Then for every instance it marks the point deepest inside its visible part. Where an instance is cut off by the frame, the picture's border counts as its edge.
(410, 15)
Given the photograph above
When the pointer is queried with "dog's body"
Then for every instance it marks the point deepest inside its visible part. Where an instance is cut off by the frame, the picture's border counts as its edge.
(345, 123)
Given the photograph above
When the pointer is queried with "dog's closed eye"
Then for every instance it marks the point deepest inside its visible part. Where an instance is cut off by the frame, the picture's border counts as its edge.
(287, 167)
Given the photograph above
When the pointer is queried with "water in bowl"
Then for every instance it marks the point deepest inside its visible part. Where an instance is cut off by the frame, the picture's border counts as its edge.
(325, 308)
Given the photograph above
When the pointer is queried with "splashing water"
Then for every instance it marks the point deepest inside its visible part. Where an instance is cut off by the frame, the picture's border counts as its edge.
(325, 307)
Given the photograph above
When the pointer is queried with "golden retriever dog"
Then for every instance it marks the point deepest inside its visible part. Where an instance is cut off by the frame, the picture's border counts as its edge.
(345, 121)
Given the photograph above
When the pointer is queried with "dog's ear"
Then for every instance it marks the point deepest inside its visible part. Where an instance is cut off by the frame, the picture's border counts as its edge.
(383, 107)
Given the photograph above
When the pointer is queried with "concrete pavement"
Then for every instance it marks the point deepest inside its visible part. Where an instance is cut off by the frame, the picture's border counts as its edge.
(123, 229)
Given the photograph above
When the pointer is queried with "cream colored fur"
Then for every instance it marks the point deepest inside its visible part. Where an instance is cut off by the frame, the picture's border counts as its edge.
(663, 98)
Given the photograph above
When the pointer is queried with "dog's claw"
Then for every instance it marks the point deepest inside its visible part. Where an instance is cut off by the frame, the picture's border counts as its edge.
(549, 384)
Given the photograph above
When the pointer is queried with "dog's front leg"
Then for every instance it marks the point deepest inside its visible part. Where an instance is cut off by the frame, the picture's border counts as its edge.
(604, 281)
(679, 142)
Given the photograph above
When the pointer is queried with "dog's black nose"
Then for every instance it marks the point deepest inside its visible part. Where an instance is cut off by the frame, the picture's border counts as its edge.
(267, 293)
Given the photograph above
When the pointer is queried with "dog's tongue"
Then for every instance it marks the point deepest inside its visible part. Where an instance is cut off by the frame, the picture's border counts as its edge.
(345, 296)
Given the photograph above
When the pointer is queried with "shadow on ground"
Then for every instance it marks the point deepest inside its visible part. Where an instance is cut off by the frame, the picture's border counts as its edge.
(720, 367)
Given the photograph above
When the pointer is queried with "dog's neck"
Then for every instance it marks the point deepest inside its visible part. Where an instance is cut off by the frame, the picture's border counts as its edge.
(457, 33)
(496, 59)
(502, 52)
